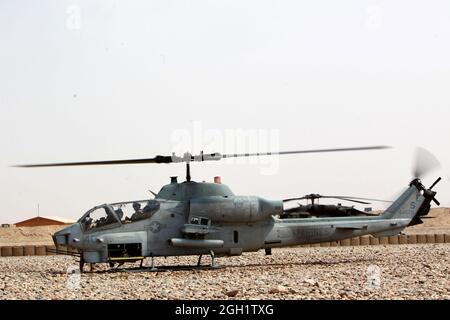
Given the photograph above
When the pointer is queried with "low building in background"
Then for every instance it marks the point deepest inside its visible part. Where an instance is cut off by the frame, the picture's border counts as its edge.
(44, 221)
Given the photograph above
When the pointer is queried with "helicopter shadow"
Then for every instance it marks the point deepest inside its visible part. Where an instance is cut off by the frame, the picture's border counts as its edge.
(305, 263)
(190, 268)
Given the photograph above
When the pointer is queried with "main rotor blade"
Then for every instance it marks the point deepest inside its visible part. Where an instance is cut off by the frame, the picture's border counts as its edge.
(358, 198)
(346, 199)
(303, 151)
(293, 199)
(157, 159)
(187, 157)
(324, 197)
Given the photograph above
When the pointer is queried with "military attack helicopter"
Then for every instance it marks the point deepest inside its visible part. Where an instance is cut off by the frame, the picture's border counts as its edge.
(199, 218)
(326, 210)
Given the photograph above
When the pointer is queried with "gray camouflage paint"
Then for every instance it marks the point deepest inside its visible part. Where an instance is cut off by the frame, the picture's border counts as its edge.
(253, 218)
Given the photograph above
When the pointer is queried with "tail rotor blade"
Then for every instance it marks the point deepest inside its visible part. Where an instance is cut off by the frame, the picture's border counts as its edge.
(425, 163)
(436, 202)
(435, 183)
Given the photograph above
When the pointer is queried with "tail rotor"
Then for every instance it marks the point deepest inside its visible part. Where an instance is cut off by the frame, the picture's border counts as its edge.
(425, 163)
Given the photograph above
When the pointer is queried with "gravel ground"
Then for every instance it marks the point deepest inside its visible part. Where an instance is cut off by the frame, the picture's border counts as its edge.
(372, 272)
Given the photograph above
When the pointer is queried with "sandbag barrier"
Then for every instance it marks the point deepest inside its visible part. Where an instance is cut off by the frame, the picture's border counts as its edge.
(41, 250)
(393, 240)
(34, 250)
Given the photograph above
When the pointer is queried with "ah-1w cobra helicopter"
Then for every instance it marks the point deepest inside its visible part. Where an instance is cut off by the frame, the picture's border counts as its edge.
(192, 218)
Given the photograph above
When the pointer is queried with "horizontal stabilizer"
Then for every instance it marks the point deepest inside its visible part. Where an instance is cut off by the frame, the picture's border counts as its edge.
(389, 233)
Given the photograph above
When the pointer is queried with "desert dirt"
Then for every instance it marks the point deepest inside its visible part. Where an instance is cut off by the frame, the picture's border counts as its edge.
(438, 224)
(362, 272)
(437, 221)
(370, 272)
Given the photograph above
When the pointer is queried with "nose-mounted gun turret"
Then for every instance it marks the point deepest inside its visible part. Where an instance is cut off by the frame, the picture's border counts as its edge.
(429, 196)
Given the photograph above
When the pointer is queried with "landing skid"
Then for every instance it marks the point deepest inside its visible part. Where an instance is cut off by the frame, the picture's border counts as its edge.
(167, 268)
(117, 265)
(152, 267)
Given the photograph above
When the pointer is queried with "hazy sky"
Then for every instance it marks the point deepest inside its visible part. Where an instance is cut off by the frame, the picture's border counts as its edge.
(99, 80)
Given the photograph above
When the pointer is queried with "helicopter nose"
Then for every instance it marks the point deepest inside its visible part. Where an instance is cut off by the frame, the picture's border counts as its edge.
(61, 238)
(67, 236)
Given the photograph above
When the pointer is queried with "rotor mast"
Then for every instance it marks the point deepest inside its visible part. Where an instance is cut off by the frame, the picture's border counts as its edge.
(188, 157)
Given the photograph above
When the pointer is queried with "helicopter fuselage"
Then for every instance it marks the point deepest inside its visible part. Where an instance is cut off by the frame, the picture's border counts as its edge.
(193, 218)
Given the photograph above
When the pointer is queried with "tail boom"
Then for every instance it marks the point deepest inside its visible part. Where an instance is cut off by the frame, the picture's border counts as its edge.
(412, 203)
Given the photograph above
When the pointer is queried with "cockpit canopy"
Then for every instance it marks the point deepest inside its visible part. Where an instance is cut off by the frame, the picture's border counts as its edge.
(112, 215)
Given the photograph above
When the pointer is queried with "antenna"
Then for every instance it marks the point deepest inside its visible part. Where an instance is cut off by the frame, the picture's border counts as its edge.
(38, 209)
(188, 172)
